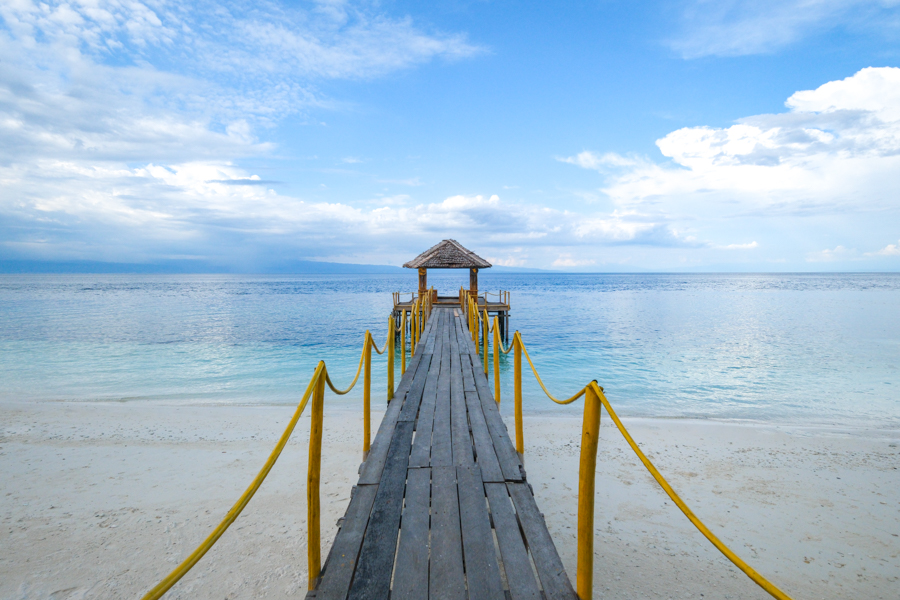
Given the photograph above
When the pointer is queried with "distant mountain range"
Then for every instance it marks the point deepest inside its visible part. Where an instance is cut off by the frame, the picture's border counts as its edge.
(299, 267)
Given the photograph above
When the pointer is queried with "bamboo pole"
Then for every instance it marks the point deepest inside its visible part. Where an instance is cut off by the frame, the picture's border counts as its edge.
(496, 359)
(403, 344)
(590, 431)
(314, 470)
(367, 394)
(517, 375)
(392, 331)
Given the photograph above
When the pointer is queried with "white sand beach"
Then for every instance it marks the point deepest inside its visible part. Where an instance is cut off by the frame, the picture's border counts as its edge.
(102, 500)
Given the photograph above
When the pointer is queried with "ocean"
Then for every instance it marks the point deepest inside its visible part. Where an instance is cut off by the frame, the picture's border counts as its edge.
(794, 348)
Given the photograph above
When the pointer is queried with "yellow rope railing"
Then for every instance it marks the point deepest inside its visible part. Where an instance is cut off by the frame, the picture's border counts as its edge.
(315, 390)
(594, 399)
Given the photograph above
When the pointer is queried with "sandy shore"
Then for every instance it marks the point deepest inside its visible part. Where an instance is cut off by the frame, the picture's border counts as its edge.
(102, 500)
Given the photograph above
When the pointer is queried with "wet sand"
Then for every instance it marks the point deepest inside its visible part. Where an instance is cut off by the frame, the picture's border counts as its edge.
(103, 500)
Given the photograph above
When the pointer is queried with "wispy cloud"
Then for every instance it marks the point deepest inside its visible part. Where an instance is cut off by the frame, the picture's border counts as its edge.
(742, 27)
(747, 246)
(838, 253)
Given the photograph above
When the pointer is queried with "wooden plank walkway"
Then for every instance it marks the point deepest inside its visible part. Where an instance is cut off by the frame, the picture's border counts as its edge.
(442, 508)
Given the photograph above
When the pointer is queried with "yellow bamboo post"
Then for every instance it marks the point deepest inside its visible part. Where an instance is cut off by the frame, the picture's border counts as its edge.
(314, 469)
(367, 394)
(472, 330)
(403, 344)
(517, 376)
(392, 331)
(590, 431)
(412, 329)
(484, 337)
(496, 328)
(475, 329)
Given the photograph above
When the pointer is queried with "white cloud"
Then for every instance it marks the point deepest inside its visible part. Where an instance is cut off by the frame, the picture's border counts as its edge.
(829, 255)
(889, 250)
(837, 149)
(748, 246)
(565, 260)
(602, 162)
(166, 81)
(742, 27)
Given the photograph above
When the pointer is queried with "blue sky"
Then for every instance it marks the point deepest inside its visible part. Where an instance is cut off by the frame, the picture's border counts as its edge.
(597, 136)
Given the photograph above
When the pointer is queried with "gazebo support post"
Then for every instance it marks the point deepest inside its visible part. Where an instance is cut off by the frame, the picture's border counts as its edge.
(423, 282)
(473, 283)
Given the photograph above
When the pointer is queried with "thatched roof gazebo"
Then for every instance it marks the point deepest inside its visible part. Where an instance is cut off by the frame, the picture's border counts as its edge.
(449, 254)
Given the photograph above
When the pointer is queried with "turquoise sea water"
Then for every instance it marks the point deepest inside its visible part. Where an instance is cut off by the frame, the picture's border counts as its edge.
(821, 348)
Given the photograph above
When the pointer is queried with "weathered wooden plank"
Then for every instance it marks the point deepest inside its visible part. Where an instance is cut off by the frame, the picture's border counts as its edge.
(503, 446)
(484, 445)
(341, 561)
(431, 333)
(411, 572)
(482, 571)
(485, 455)
(468, 376)
(519, 574)
(376, 559)
(441, 445)
(461, 440)
(550, 569)
(414, 395)
(371, 472)
(447, 579)
(421, 450)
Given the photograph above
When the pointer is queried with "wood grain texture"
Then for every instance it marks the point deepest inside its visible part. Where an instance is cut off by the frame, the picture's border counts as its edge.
(550, 569)
(411, 572)
(376, 559)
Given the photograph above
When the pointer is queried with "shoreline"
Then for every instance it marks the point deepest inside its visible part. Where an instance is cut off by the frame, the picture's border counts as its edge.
(103, 503)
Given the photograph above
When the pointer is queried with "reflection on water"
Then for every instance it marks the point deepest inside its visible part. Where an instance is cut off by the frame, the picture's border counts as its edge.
(810, 347)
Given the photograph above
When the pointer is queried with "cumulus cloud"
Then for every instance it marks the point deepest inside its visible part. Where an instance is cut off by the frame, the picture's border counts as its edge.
(889, 250)
(742, 27)
(836, 149)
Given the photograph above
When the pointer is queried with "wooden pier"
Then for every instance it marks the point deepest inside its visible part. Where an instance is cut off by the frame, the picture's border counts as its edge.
(442, 508)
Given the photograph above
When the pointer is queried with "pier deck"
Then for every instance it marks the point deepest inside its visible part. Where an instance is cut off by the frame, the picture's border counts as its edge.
(442, 508)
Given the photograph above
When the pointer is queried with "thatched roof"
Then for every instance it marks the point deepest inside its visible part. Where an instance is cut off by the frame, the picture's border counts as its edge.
(449, 254)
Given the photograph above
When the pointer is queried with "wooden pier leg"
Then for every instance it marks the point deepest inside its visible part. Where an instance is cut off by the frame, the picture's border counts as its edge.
(314, 470)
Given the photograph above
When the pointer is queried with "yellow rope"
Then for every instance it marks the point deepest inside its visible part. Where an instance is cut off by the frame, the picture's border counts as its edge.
(538, 377)
(761, 581)
(734, 558)
(355, 379)
(172, 578)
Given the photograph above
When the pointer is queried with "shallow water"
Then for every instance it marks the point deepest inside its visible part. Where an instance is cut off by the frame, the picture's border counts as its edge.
(819, 348)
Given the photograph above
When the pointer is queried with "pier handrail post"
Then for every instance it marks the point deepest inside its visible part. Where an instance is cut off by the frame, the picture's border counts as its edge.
(496, 327)
(367, 394)
(517, 378)
(590, 431)
(392, 332)
(484, 336)
(403, 343)
(412, 328)
(314, 469)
